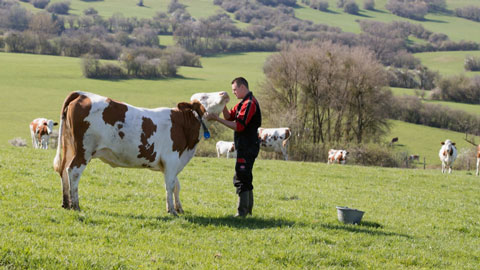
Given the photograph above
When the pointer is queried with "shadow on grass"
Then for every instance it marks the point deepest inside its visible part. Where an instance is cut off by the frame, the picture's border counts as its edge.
(247, 223)
(229, 221)
(363, 227)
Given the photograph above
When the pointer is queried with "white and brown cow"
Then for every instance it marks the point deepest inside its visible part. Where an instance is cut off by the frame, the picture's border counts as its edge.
(122, 135)
(337, 156)
(226, 148)
(478, 158)
(40, 130)
(447, 154)
(274, 140)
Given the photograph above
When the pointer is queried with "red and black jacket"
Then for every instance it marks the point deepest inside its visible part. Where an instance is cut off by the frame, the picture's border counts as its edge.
(248, 117)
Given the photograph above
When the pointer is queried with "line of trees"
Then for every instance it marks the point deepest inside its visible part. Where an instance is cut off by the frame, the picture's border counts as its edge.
(469, 12)
(328, 93)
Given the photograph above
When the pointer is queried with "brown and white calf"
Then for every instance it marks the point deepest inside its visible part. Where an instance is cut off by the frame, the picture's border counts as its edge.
(122, 135)
(226, 148)
(274, 140)
(40, 130)
(337, 156)
(478, 158)
(447, 154)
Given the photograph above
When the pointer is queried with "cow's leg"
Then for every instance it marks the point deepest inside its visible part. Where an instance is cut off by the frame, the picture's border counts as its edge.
(284, 152)
(478, 163)
(218, 153)
(66, 190)
(34, 143)
(74, 174)
(450, 168)
(170, 176)
(176, 193)
(443, 167)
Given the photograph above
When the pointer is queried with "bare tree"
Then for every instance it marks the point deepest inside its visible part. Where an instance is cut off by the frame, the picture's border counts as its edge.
(328, 93)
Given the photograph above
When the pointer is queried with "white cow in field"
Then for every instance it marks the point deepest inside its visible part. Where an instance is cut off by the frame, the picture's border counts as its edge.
(122, 135)
(274, 140)
(478, 158)
(337, 156)
(226, 148)
(447, 154)
(40, 130)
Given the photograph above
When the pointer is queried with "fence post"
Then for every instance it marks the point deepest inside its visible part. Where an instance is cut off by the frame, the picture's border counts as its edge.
(424, 163)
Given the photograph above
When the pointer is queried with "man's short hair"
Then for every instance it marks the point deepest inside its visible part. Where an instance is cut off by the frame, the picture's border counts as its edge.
(240, 81)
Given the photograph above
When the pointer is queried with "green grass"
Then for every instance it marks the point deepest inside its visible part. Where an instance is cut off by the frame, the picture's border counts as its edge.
(36, 85)
(413, 218)
(447, 63)
(456, 28)
(470, 108)
(424, 141)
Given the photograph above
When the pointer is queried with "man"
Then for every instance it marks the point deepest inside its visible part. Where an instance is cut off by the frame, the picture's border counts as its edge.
(245, 118)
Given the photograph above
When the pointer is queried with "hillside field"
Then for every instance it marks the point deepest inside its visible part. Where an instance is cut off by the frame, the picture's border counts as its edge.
(413, 219)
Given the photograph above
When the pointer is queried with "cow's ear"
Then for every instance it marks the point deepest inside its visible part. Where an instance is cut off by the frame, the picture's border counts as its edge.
(442, 143)
(453, 143)
(198, 107)
(184, 106)
(347, 153)
(55, 123)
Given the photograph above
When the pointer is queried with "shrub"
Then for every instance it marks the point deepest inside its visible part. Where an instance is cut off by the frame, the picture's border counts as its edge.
(415, 10)
(92, 68)
(59, 8)
(351, 7)
(40, 3)
(18, 142)
(472, 63)
(369, 4)
(458, 89)
(376, 155)
(469, 12)
(319, 4)
(90, 11)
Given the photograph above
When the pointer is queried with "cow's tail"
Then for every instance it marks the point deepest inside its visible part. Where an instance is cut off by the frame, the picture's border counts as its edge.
(57, 161)
(288, 134)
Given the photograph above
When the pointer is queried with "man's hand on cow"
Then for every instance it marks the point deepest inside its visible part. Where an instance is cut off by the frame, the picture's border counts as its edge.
(211, 116)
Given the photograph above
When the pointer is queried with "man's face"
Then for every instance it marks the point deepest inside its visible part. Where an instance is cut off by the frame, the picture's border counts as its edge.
(239, 90)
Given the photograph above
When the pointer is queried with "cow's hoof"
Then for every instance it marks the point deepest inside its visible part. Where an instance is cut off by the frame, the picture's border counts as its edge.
(179, 210)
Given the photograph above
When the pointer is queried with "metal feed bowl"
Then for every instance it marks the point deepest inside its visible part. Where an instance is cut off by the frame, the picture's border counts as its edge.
(349, 215)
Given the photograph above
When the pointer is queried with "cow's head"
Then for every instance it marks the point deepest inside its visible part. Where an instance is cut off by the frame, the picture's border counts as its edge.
(448, 147)
(50, 124)
(212, 102)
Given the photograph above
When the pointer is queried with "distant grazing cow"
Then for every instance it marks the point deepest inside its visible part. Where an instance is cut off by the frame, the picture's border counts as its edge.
(337, 156)
(274, 140)
(478, 158)
(226, 148)
(447, 154)
(122, 135)
(40, 130)
(414, 157)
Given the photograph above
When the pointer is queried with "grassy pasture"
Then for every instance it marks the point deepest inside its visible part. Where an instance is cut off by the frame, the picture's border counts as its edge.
(456, 28)
(424, 141)
(414, 219)
(448, 63)
(470, 108)
(36, 85)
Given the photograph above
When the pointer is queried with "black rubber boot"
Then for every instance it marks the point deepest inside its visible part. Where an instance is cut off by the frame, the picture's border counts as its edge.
(250, 202)
(242, 208)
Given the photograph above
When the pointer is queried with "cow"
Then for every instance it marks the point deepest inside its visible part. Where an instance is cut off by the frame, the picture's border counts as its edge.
(478, 158)
(337, 156)
(122, 135)
(274, 140)
(414, 157)
(447, 154)
(226, 148)
(40, 130)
